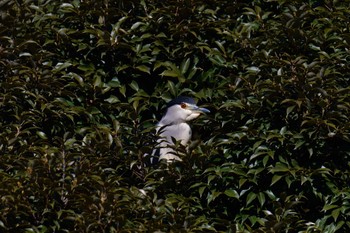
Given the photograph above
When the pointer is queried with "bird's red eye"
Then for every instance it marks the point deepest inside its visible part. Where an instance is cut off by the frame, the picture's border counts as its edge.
(183, 105)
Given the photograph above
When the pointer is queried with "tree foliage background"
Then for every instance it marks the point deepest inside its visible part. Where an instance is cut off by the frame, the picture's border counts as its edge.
(83, 82)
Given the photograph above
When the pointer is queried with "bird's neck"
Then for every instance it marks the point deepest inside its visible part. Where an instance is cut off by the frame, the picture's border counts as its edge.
(165, 121)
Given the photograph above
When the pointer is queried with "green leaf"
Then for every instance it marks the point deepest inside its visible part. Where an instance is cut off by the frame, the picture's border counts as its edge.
(112, 99)
(299, 144)
(173, 90)
(251, 197)
(279, 167)
(184, 66)
(69, 142)
(210, 178)
(41, 134)
(144, 69)
(170, 73)
(135, 86)
(136, 25)
(25, 55)
(335, 213)
(61, 66)
(329, 207)
(97, 81)
(122, 90)
(212, 196)
(201, 190)
(231, 193)
(221, 47)
(242, 181)
(77, 77)
(261, 198)
(275, 179)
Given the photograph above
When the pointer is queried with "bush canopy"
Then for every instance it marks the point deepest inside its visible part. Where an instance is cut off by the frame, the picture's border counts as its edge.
(83, 83)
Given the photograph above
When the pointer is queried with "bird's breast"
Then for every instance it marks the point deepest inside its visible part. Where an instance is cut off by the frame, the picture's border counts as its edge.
(181, 132)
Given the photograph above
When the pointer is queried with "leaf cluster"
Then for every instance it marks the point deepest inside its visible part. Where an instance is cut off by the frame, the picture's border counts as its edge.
(82, 84)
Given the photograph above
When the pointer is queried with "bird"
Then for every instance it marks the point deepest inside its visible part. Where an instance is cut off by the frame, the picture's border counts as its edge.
(173, 127)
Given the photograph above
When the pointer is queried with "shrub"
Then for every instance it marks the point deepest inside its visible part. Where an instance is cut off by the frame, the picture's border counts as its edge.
(83, 84)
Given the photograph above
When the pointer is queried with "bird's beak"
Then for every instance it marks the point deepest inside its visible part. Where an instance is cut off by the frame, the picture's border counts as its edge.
(195, 108)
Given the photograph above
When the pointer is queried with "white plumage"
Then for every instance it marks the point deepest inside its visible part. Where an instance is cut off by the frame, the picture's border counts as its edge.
(174, 126)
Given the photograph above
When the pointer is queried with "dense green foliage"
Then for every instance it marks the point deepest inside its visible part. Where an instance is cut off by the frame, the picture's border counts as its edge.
(82, 84)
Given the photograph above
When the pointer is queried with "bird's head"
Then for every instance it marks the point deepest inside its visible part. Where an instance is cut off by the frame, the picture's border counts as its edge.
(182, 109)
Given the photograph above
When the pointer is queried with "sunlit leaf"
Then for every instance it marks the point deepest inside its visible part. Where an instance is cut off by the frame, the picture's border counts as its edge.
(143, 68)
(232, 193)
